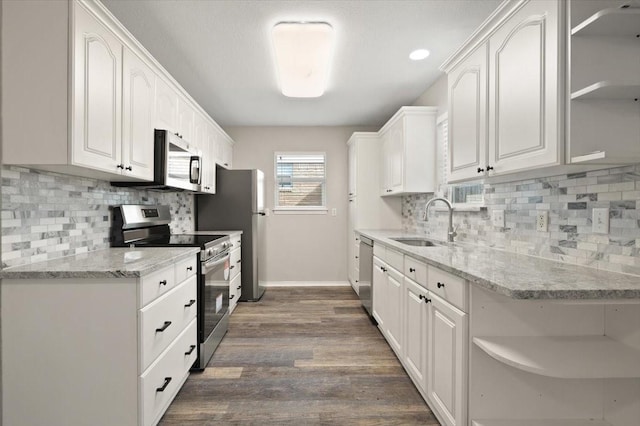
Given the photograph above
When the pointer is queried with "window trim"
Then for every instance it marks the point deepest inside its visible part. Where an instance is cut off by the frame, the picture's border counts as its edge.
(323, 209)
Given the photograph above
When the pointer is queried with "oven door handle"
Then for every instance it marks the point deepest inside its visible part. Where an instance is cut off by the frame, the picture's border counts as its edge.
(211, 264)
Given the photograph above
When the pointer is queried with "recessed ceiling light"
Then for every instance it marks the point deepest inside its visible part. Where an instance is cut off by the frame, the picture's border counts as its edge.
(303, 53)
(418, 54)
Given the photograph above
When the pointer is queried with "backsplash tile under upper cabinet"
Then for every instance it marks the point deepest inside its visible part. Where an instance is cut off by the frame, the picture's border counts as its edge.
(569, 199)
(48, 215)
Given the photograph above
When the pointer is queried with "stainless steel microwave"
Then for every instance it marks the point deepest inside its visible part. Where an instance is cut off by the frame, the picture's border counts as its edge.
(177, 165)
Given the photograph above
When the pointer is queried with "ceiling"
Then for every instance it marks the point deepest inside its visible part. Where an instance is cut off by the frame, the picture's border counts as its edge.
(220, 52)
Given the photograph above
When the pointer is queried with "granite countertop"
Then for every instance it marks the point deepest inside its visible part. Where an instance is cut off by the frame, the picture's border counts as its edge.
(108, 263)
(516, 275)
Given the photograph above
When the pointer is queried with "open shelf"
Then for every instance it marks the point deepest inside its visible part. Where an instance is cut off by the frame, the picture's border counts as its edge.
(568, 357)
(541, 422)
(610, 22)
(608, 90)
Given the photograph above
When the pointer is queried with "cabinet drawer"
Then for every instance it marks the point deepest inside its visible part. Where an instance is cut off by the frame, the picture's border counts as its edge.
(186, 268)
(380, 251)
(162, 320)
(415, 270)
(235, 240)
(235, 262)
(395, 259)
(172, 367)
(156, 284)
(451, 288)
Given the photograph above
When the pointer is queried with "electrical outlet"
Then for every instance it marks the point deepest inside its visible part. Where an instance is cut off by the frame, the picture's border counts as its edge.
(497, 218)
(600, 220)
(542, 221)
(334, 211)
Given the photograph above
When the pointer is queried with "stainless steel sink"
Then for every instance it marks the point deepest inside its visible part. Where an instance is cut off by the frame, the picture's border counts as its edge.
(420, 242)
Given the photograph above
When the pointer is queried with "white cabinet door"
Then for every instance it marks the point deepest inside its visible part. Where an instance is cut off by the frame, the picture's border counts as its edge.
(379, 292)
(468, 117)
(186, 118)
(166, 107)
(138, 82)
(446, 362)
(97, 95)
(524, 103)
(353, 164)
(394, 311)
(227, 153)
(416, 328)
(199, 131)
(396, 154)
(386, 165)
(208, 161)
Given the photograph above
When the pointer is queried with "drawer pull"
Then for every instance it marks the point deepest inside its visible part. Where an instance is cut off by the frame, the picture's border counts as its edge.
(440, 285)
(231, 267)
(232, 296)
(164, 327)
(190, 351)
(412, 270)
(163, 282)
(239, 260)
(239, 287)
(191, 302)
(189, 268)
(426, 300)
(383, 269)
(167, 380)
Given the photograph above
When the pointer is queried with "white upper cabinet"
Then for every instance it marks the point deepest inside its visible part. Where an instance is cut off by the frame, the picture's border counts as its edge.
(97, 91)
(137, 116)
(524, 95)
(166, 107)
(468, 116)
(208, 161)
(86, 98)
(409, 152)
(352, 170)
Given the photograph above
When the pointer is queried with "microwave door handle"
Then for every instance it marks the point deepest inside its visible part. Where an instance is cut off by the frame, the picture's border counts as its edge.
(194, 169)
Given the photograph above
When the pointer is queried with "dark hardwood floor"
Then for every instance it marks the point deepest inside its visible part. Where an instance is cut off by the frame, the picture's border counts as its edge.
(301, 356)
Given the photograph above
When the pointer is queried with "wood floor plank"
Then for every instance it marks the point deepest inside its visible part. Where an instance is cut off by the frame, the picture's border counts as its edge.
(301, 356)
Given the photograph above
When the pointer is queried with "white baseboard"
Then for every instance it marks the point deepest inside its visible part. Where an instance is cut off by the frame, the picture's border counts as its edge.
(305, 283)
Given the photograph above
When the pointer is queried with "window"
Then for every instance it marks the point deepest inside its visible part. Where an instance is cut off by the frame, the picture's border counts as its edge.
(300, 181)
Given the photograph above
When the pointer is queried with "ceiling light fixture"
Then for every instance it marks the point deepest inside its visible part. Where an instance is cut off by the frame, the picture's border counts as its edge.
(303, 53)
(418, 54)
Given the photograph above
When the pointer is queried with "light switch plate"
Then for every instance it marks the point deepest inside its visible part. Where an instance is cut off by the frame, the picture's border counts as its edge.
(600, 220)
(542, 221)
(334, 211)
(497, 218)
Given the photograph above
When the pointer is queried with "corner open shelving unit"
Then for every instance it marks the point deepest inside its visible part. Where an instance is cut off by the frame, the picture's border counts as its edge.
(605, 84)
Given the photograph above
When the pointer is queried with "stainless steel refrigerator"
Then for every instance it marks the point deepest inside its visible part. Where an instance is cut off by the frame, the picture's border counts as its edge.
(238, 204)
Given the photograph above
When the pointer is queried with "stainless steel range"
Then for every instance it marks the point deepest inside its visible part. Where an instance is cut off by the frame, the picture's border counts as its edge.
(148, 226)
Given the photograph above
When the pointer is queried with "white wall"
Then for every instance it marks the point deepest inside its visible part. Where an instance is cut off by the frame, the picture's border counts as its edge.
(435, 95)
(300, 248)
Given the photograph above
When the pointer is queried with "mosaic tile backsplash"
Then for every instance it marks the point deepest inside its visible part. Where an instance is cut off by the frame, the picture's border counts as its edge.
(569, 199)
(48, 215)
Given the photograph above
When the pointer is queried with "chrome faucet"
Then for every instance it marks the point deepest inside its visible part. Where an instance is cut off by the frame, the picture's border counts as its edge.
(450, 232)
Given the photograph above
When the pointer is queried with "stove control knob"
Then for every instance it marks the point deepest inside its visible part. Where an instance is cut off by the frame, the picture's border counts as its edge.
(209, 252)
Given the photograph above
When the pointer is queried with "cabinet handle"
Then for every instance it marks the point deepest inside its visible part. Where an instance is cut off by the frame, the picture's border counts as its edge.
(351, 193)
(120, 166)
(128, 168)
(356, 257)
(239, 260)
(226, 164)
(163, 282)
(383, 269)
(164, 327)
(167, 380)
(489, 168)
(351, 201)
(440, 285)
(232, 296)
(357, 281)
(189, 268)
(425, 298)
(231, 267)
(190, 351)
(412, 270)
(480, 170)
(239, 287)
(191, 302)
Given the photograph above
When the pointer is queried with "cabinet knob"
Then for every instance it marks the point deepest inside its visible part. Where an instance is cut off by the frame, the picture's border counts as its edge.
(191, 348)
(163, 282)
(426, 300)
(239, 287)
(164, 327)
(480, 170)
(383, 269)
(239, 260)
(191, 302)
(440, 285)
(231, 267)
(356, 257)
(232, 296)
(120, 166)
(489, 168)
(189, 268)
(167, 380)
(128, 168)
(226, 164)
(412, 270)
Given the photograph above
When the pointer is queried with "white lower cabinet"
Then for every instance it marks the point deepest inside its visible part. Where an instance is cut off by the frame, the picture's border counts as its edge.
(394, 322)
(416, 327)
(97, 351)
(235, 278)
(379, 290)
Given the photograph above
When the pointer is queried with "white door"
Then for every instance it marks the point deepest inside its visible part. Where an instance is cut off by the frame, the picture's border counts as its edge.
(446, 372)
(524, 103)
(166, 107)
(468, 117)
(379, 292)
(97, 95)
(416, 329)
(394, 311)
(138, 82)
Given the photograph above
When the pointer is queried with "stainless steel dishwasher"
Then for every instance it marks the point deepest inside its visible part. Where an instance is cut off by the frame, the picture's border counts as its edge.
(366, 273)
